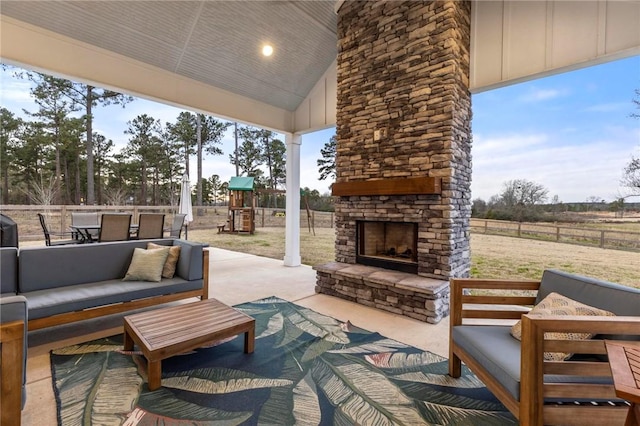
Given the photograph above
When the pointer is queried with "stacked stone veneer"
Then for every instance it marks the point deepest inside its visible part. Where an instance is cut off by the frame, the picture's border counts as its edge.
(424, 299)
(403, 70)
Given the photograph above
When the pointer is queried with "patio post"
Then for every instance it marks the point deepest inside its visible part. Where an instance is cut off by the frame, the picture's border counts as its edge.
(292, 229)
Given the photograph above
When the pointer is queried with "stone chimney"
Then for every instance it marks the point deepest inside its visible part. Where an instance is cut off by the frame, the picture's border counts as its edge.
(404, 131)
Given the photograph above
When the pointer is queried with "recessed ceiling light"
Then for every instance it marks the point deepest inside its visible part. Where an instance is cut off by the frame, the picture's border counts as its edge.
(267, 50)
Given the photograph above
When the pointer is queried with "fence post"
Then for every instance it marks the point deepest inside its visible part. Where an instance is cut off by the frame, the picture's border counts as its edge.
(519, 225)
(331, 219)
(262, 220)
(486, 226)
(602, 239)
(63, 218)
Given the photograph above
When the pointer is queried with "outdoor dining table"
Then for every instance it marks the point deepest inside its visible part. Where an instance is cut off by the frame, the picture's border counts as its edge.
(85, 231)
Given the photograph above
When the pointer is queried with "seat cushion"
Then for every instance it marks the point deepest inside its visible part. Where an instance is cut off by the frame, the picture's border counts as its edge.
(43, 303)
(495, 349)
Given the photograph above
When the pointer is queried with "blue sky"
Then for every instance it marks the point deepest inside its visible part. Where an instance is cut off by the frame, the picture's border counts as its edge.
(570, 132)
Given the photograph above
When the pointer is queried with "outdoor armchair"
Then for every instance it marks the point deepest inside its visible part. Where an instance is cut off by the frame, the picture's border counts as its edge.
(543, 379)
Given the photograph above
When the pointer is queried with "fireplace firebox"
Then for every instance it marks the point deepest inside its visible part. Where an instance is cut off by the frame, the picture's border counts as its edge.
(390, 245)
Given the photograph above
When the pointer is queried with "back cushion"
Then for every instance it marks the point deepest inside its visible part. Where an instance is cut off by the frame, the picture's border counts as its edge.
(616, 298)
(50, 267)
(8, 270)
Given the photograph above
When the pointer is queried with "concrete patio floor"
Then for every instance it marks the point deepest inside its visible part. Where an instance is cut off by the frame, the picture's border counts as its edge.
(233, 278)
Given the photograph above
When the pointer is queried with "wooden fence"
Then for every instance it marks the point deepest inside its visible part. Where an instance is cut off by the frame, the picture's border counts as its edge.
(603, 238)
(209, 217)
(206, 217)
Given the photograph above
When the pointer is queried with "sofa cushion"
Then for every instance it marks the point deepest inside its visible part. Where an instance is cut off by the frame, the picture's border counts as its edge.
(557, 304)
(8, 270)
(44, 303)
(189, 264)
(146, 265)
(169, 268)
(42, 268)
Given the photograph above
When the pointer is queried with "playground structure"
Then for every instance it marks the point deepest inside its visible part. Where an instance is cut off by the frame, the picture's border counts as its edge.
(242, 206)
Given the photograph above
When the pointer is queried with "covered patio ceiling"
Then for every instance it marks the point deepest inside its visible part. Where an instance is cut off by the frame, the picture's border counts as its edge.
(214, 44)
(205, 55)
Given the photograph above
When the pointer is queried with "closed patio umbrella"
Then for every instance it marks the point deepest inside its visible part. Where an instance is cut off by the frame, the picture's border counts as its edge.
(185, 204)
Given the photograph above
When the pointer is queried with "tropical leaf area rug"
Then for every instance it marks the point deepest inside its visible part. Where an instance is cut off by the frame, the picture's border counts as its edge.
(307, 369)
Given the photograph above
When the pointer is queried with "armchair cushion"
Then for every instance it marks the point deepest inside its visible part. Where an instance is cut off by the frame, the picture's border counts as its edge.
(557, 304)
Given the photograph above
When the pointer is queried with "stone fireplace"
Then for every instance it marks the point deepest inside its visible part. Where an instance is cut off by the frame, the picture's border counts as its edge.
(403, 159)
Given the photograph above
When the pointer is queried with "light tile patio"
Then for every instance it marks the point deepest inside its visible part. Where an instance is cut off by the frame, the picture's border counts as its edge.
(233, 278)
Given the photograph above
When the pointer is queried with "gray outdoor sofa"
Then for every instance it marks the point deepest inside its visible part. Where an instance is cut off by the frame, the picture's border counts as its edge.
(47, 286)
(577, 388)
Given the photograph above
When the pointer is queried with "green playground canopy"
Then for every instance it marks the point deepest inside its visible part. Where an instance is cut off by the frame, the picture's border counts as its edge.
(241, 183)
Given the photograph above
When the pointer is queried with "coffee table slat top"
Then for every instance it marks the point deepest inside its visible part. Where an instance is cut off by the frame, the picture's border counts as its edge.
(189, 322)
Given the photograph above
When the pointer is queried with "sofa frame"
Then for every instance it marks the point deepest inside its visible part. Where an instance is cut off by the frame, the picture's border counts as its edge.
(69, 317)
(11, 371)
(530, 408)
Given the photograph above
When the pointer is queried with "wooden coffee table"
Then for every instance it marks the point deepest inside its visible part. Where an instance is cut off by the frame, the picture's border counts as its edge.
(165, 332)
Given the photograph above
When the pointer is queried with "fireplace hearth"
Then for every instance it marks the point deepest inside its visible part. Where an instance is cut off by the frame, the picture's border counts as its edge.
(390, 245)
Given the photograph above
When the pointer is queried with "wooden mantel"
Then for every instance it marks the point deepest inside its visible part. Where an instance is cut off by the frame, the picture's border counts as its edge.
(401, 186)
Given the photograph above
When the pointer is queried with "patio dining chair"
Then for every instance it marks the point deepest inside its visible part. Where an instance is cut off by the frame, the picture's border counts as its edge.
(48, 234)
(150, 225)
(115, 227)
(85, 219)
(176, 226)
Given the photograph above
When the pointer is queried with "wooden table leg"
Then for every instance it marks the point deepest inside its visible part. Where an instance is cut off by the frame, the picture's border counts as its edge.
(128, 341)
(154, 374)
(633, 416)
(249, 340)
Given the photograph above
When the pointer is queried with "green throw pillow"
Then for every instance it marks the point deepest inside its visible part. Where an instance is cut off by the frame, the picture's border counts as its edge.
(146, 265)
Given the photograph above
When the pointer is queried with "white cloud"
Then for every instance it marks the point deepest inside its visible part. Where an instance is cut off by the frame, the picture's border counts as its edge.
(608, 107)
(571, 171)
(16, 93)
(538, 95)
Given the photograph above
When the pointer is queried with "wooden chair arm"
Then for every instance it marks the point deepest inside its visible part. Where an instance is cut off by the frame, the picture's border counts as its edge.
(487, 306)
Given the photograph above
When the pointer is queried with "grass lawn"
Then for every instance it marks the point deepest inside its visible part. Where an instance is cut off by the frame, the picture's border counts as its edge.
(491, 256)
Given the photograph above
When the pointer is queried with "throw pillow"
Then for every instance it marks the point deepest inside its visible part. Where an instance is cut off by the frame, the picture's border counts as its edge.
(169, 268)
(146, 265)
(557, 304)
